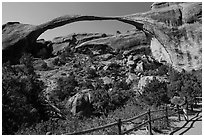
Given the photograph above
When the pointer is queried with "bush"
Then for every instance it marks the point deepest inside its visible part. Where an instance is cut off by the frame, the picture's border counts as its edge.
(121, 85)
(119, 97)
(41, 65)
(66, 88)
(162, 70)
(155, 93)
(66, 55)
(101, 102)
(91, 73)
(161, 123)
(43, 53)
(106, 101)
(185, 84)
(22, 100)
(56, 62)
(73, 124)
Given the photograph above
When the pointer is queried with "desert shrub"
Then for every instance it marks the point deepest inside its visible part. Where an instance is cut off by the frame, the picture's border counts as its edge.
(41, 65)
(101, 101)
(87, 84)
(157, 70)
(106, 101)
(173, 75)
(22, 100)
(43, 53)
(155, 93)
(162, 70)
(121, 84)
(27, 60)
(55, 126)
(150, 72)
(66, 55)
(44, 66)
(56, 62)
(120, 97)
(70, 125)
(161, 123)
(150, 66)
(185, 84)
(65, 89)
(73, 124)
(91, 73)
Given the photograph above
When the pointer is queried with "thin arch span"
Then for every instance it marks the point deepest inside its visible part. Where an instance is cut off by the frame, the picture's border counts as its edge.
(144, 24)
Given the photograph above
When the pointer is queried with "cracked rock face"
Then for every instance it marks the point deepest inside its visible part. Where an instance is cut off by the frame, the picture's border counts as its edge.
(172, 31)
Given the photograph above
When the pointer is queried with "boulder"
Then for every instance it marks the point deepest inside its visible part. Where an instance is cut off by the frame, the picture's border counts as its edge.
(131, 77)
(106, 57)
(111, 64)
(107, 80)
(40, 65)
(130, 60)
(80, 103)
(145, 79)
(139, 67)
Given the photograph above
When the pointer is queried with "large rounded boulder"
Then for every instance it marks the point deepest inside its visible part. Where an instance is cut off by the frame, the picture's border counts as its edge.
(80, 103)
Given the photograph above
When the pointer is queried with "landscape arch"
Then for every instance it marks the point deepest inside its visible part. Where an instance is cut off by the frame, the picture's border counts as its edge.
(29, 33)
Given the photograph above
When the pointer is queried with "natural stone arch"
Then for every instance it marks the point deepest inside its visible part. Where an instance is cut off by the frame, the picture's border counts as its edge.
(157, 24)
(157, 32)
(146, 25)
(26, 35)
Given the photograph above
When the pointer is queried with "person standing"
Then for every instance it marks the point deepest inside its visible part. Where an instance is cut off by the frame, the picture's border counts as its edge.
(185, 108)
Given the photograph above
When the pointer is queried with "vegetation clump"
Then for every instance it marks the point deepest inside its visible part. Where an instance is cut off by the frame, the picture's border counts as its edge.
(23, 95)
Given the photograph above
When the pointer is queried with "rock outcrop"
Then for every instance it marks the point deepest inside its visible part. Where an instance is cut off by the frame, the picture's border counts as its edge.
(121, 41)
(80, 103)
(174, 31)
(60, 43)
(147, 79)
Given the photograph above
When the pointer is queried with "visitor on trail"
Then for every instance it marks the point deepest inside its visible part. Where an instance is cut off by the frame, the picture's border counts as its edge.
(183, 103)
(176, 100)
(184, 106)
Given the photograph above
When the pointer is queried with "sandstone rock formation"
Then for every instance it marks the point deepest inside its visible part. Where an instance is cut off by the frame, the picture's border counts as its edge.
(60, 43)
(80, 103)
(144, 80)
(122, 41)
(18, 38)
(172, 29)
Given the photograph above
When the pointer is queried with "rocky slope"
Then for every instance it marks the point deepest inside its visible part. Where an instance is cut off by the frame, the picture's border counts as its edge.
(170, 33)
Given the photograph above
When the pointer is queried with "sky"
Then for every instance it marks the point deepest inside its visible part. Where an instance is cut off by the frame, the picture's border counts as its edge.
(40, 12)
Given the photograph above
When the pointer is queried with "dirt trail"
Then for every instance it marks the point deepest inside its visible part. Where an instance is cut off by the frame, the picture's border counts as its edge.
(191, 127)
